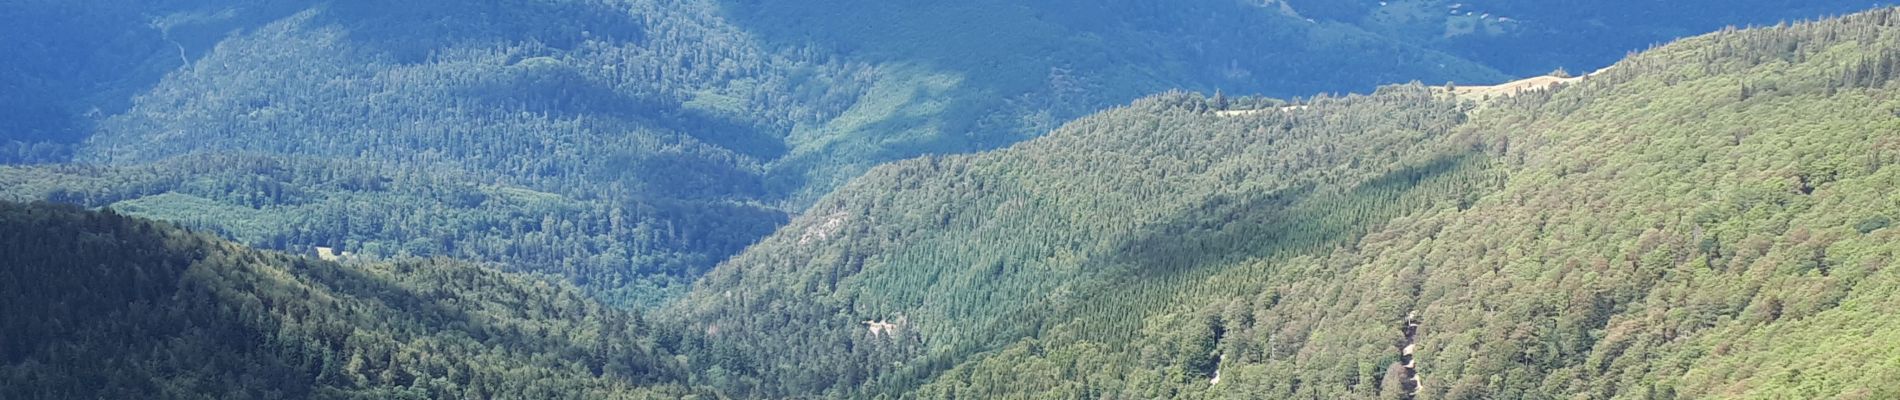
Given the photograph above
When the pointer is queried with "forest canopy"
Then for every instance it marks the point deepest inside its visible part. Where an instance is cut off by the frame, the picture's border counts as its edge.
(746, 199)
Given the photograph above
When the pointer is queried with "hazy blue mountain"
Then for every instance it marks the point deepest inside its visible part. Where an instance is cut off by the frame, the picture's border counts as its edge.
(1534, 37)
(693, 199)
(633, 134)
(643, 141)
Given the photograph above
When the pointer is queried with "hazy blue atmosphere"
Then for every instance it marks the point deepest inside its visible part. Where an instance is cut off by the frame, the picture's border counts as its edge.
(1399, 199)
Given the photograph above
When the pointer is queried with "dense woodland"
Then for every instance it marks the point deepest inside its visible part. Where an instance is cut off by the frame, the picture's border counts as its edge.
(635, 147)
(625, 250)
(627, 145)
(1705, 219)
(101, 305)
(634, 199)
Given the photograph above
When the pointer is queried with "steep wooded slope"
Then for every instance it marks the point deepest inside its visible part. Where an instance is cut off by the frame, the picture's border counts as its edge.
(1707, 219)
(612, 130)
(969, 253)
(654, 137)
(662, 135)
(100, 305)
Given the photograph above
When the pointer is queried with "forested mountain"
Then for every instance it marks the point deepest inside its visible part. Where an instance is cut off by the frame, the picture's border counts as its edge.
(69, 64)
(1706, 219)
(646, 125)
(640, 141)
(1534, 37)
(624, 251)
(512, 199)
(632, 144)
(100, 305)
(1004, 71)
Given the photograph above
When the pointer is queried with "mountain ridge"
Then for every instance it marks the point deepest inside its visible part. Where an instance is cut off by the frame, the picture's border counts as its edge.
(1707, 218)
(688, 134)
(104, 305)
(1533, 266)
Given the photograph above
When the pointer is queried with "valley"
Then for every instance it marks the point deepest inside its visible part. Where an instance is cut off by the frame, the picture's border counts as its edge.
(1046, 199)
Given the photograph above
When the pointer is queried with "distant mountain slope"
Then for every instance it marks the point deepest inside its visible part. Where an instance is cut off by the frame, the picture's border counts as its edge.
(968, 254)
(662, 136)
(983, 74)
(70, 64)
(568, 88)
(624, 251)
(1534, 37)
(99, 305)
(626, 144)
(1707, 219)
(639, 123)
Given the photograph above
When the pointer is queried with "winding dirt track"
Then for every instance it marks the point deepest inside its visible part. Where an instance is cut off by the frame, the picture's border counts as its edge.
(1513, 88)
(1506, 89)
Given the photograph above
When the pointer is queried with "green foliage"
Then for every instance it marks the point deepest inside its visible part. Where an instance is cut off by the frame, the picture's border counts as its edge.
(627, 250)
(978, 252)
(669, 136)
(100, 305)
(642, 130)
(1706, 219)
(1872, 224)
(1642, 233)
(964, 76)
